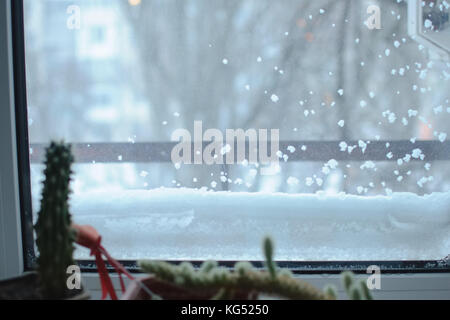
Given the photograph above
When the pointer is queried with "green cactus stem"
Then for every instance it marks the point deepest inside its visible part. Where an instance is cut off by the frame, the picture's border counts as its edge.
(54, 237)
(331, 291)
(268, 252)
(244, 278)
(356, 290)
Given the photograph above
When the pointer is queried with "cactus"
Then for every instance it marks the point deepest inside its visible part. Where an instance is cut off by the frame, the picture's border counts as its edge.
(268, 252)
(244, 278)
(54, 237)
(331, 291)
(356, 290)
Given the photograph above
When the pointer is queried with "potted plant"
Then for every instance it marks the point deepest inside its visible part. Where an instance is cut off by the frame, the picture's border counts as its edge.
(173, 282)
(54, 236)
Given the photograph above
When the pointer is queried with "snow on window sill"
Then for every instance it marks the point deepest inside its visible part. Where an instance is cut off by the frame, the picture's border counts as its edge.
(189, 224)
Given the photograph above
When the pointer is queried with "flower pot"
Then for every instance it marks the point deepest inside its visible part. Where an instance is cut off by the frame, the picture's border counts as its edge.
(26, 287)
(169, 291)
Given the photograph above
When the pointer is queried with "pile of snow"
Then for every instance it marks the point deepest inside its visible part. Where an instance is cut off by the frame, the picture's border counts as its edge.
(198, 224)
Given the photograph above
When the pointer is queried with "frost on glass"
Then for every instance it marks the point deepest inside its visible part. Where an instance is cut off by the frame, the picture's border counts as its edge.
(116, 72)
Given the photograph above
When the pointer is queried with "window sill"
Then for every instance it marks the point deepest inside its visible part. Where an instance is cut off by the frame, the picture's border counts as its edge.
(431, 286)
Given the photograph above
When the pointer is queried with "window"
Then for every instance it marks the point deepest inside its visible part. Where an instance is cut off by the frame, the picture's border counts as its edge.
(429, 24)
(358, 112)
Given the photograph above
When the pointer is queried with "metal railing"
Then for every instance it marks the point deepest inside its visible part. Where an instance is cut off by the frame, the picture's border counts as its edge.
(316, 151)
(313, 151)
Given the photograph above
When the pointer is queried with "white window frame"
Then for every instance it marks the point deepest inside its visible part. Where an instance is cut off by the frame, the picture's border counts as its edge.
(438, 50)
(393, 286)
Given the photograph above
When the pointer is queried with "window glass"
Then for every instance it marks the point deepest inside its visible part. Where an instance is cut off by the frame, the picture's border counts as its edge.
(361, 171)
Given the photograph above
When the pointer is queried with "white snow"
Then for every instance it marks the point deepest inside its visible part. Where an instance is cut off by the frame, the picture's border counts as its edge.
(200, 224)
(309, 181)
(274, 98)
(225, 149)
(417, 153)
(343, 146)
(438, 109)
(143, 173)
(390, 115)
(424, 180)
(412, 113)
(331, 164)
(291, 149)
(407, 157)
(368, 165)
(428, 24)
(362, 145)
(350, 148)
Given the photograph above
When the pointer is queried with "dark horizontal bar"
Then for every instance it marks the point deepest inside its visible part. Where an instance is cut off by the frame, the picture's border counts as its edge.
(146, 152)
(311, 267)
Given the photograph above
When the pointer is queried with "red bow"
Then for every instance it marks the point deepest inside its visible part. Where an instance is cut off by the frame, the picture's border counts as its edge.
(88, 237)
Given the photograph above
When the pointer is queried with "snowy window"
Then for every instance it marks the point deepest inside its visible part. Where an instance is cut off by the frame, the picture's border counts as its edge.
(361, 170)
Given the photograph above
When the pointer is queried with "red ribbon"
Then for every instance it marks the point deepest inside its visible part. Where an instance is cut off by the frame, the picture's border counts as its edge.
(88, 237)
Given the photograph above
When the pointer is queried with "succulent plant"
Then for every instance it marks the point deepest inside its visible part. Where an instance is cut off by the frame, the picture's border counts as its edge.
(54, 236)
(356, 290)
(244, 278)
